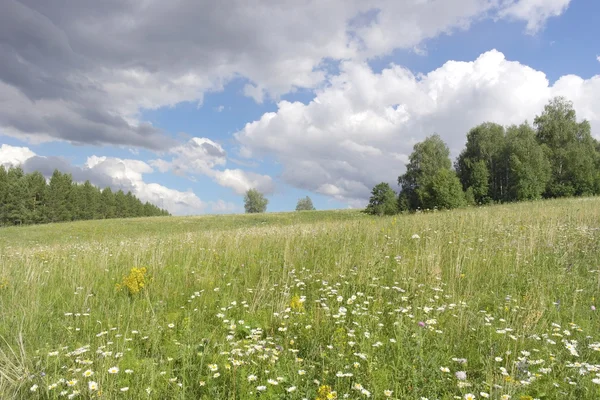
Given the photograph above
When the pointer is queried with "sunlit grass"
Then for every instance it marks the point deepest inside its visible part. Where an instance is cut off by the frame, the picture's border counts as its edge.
(496, 301)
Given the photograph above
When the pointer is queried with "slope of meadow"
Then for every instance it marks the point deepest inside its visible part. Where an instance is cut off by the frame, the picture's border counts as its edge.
(495, 302)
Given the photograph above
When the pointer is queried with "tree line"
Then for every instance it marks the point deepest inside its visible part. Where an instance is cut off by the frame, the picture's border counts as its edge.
(556, 157)
(30, 199)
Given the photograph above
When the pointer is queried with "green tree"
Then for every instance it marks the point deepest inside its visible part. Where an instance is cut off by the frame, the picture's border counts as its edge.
(120, 204)
(3, 194)
(305, 204)
(482, 165)
(382, 201)
(35, 201)
(423, 182)
(107, 208)
(255, 202)
(443, 191)
(59, 194)
(529, 168)
(570, 148)
(15, 201)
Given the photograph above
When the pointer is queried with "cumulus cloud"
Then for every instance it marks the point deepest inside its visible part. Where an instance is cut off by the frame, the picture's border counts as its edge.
(83, 71)
(535, 12)
(115, 173)
(202, 156)
(223, 207)
(360, 130)
(12, 155)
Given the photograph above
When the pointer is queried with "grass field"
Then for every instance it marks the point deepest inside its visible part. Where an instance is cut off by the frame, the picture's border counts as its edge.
(495, 302)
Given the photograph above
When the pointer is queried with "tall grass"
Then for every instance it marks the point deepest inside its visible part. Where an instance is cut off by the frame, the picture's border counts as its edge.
(496, 301)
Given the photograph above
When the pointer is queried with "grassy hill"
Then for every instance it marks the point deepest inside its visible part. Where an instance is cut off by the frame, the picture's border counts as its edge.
(490, 302)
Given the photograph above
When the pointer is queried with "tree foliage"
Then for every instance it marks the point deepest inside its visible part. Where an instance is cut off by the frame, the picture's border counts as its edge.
(482, 165)
(255, 202)
(528, 167)
(429, 181)
(382, 201)
(29, 199)
(305, 204)
(570, 148)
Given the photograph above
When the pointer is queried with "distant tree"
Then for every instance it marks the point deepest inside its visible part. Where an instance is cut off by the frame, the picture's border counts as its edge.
(120, 204)
(305, 204)
(30, 199)
(443, 191)
(107, 207)
(15, 201)
(529, 169)
(382, 201)
(35, 201)
(570, 149)
(255, 202)
(3, 193)
(482, 165)
(423, 184)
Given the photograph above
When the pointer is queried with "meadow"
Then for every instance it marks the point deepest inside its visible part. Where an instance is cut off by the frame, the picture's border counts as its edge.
(496, 302)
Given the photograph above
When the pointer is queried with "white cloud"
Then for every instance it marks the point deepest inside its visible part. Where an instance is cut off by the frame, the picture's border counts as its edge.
(535, 12)
(598, 58)
(202, 156)
(222, 207)
(198, 155)
(83, 72)
(14, 156)
(360, 130)
(116, 173)
(241, 181)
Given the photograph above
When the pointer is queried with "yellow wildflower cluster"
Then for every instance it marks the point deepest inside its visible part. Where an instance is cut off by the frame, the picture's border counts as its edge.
(326, 393)
(135, 281)
(297, 304)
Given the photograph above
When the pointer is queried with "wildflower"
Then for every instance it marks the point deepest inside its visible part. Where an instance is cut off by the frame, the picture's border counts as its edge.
(291, 389)
(261, 388)
(387, 393)
(93, 386)
(461, 375)
(171, 325)
(596, 381)
(129, 371)
(469, 396)
(445, 369)
(415, 236)
(88, 373)
(325, 392)
(34, 388)
(484, 395)
(113, 370)
(213, 367)
(252, 378)
(72, 382)
(135, 281)
(124, 389)
(273, 382)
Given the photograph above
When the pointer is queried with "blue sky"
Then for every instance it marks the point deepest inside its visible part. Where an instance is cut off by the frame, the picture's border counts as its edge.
(306, 100)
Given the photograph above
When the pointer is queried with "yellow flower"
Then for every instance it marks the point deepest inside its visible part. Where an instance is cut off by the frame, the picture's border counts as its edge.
(297, 304)
(326, 393)
(135, 281)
